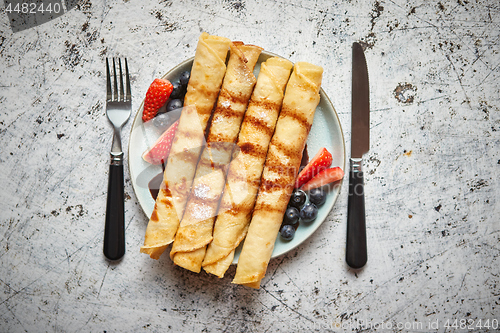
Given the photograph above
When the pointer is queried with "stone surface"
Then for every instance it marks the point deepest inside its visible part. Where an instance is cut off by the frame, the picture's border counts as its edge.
(432, 189)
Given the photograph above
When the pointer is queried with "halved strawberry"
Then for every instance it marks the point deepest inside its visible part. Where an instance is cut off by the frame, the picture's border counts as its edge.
(158, 153)
(158, 93)
(321, 161)
(324, 177)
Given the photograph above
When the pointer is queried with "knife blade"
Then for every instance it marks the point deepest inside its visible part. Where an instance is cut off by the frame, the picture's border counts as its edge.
(356, 250)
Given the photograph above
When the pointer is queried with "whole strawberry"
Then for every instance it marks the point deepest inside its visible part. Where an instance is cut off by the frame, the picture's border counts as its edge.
(158, 93)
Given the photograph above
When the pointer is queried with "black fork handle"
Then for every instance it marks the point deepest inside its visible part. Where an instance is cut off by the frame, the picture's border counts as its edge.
(114, 229)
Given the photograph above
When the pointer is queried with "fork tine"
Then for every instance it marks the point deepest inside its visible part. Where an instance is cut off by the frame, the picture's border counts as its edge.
(115, 82)
(109, 95)
(128, 96)
(121, 97)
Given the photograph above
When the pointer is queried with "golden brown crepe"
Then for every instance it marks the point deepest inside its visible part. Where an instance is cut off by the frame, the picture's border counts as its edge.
(195, 230)
(278, 178)
(245, 170)
(207, 74)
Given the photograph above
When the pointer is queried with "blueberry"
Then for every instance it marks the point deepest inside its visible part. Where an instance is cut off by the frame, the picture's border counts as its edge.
(298, 199)
(291, 217)
(162, 120)
(178, 91)
(174, 104)
(317, 196)
(308, 213)
(287, 232)
(184, 78)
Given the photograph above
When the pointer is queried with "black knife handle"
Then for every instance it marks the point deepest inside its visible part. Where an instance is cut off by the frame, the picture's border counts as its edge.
(356, 253)
(114, 228)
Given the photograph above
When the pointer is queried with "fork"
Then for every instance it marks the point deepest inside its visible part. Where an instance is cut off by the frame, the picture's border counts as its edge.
(118, 109)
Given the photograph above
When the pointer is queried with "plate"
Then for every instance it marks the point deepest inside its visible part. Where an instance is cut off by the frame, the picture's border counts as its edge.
(326, 131)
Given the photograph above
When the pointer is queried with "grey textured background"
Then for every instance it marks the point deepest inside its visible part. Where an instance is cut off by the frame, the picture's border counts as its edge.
(431, 174)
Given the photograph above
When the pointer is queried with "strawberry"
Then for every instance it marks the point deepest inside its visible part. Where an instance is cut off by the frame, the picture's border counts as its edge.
(158, 153)
(158, 93)
(324, 177)
(321, 161)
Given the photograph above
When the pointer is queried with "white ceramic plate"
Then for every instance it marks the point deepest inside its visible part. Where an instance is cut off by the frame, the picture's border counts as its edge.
(326, 132)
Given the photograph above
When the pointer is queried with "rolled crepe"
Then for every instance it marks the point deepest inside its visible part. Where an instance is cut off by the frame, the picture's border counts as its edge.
(245, 170)
(195, 230)
(206, 78)
(278, 178)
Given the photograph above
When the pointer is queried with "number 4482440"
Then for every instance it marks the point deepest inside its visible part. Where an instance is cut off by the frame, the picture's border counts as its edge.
(471, 324)
(33, 8)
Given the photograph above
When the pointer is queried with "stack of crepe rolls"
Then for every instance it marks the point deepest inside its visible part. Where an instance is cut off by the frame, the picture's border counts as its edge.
(209, 67)
(250, 204)
(245, 170)
(195, 230)
(280, 170)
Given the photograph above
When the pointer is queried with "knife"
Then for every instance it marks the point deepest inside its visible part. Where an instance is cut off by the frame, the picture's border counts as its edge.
(356, 253)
